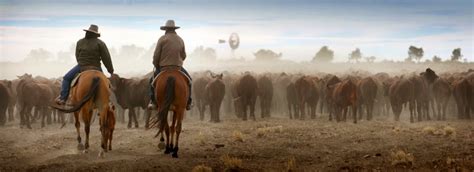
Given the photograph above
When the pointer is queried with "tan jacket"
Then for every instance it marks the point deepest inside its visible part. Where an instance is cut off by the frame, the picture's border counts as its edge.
(169, 50)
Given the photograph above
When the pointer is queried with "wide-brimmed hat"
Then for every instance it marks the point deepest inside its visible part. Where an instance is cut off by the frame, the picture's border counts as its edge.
(169, 25)
(93, 28)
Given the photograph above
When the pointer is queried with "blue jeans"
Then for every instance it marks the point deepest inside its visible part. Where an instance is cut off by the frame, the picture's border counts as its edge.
(67, 79)
(157, 71)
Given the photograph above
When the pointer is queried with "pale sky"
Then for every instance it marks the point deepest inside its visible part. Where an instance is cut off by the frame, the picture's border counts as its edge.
(297, 29)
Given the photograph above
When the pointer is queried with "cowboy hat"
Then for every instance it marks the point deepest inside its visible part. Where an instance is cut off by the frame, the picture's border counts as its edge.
(93, 28)
(169, 25)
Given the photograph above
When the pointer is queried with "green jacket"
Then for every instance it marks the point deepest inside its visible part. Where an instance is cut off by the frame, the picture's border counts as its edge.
(89, 52)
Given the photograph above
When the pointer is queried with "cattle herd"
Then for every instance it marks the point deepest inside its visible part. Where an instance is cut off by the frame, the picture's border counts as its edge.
(424, 96)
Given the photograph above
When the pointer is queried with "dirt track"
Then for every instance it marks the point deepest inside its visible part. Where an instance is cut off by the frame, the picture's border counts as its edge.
(268, 144)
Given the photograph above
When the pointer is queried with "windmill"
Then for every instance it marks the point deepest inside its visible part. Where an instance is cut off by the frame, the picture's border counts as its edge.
(234, 42)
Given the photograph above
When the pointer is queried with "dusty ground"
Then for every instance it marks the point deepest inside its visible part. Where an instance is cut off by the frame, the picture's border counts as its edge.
(274, 144)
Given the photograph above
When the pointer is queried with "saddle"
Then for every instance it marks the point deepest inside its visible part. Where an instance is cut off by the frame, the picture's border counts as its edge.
(74, 81)
(167, 68)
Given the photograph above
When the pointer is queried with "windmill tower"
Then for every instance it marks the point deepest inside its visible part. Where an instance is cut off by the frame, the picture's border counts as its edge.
(234, 42)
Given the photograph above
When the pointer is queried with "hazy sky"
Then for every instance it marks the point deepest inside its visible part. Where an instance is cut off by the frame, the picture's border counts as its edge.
(296, 28)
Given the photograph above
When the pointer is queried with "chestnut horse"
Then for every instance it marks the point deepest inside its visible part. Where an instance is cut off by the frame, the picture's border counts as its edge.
(171, 94)
(92, 92)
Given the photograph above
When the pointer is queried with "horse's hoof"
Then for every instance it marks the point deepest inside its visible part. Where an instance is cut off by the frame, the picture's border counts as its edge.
(80, 146)
(101, 154)
(174, 155)
(168, 151)
(161, 145)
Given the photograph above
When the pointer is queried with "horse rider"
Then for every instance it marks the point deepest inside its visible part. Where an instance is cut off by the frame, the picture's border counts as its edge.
(90, 50)
(169, 52)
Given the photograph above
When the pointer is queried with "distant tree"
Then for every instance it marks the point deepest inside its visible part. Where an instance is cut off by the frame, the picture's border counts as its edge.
(456, 55)
(370, 59)
(324, 55)
(203, 53)
(39, 55)
(355, 55)
(415, 53)
(266, 55)
(436, 59)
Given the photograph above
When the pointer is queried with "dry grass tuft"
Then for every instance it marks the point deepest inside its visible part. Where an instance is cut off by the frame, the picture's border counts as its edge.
(396, 129)
(201, 139)
(265, 130)
(401, 157)
(446, 131)
(430, 130)
(231, 163)
(291, 164)
(238, 136)
(449, 131)
(202, 168)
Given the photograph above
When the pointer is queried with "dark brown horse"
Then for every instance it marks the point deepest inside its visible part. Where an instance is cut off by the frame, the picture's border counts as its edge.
(91, 92)
(171, 91)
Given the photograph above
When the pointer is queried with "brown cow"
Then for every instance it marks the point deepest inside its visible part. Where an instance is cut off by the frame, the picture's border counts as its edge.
(132, 93)
(265, 93)
(199, 90)
(31, 94)
(246, 95)
(4, 100)
(367, 93)
(401, 92)
(330, 85)
(462, 95)
(441, 93)
(306, 93)
(344, 96)
(215, 91)
(422, 97)
(292, 100)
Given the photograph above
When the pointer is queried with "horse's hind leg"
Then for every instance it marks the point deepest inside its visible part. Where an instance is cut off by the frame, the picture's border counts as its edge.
(86, 115)
(78, 127)
(178, 119)
(172, 132)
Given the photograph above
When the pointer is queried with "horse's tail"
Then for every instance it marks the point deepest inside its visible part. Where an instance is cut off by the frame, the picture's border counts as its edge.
(165, 107)
(89, 95)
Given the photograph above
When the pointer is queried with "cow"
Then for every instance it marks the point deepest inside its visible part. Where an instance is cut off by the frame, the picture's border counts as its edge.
(292, 101)
(265, 93)
(462, 92)
(441, 94)
(344, 95)
(402, 91)
(130, 94)
(199, 90)
(32, 93)
(329, 89)
(306, 94)
(246, 92)
(5, 97)
(214, 92)
(367, 91)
